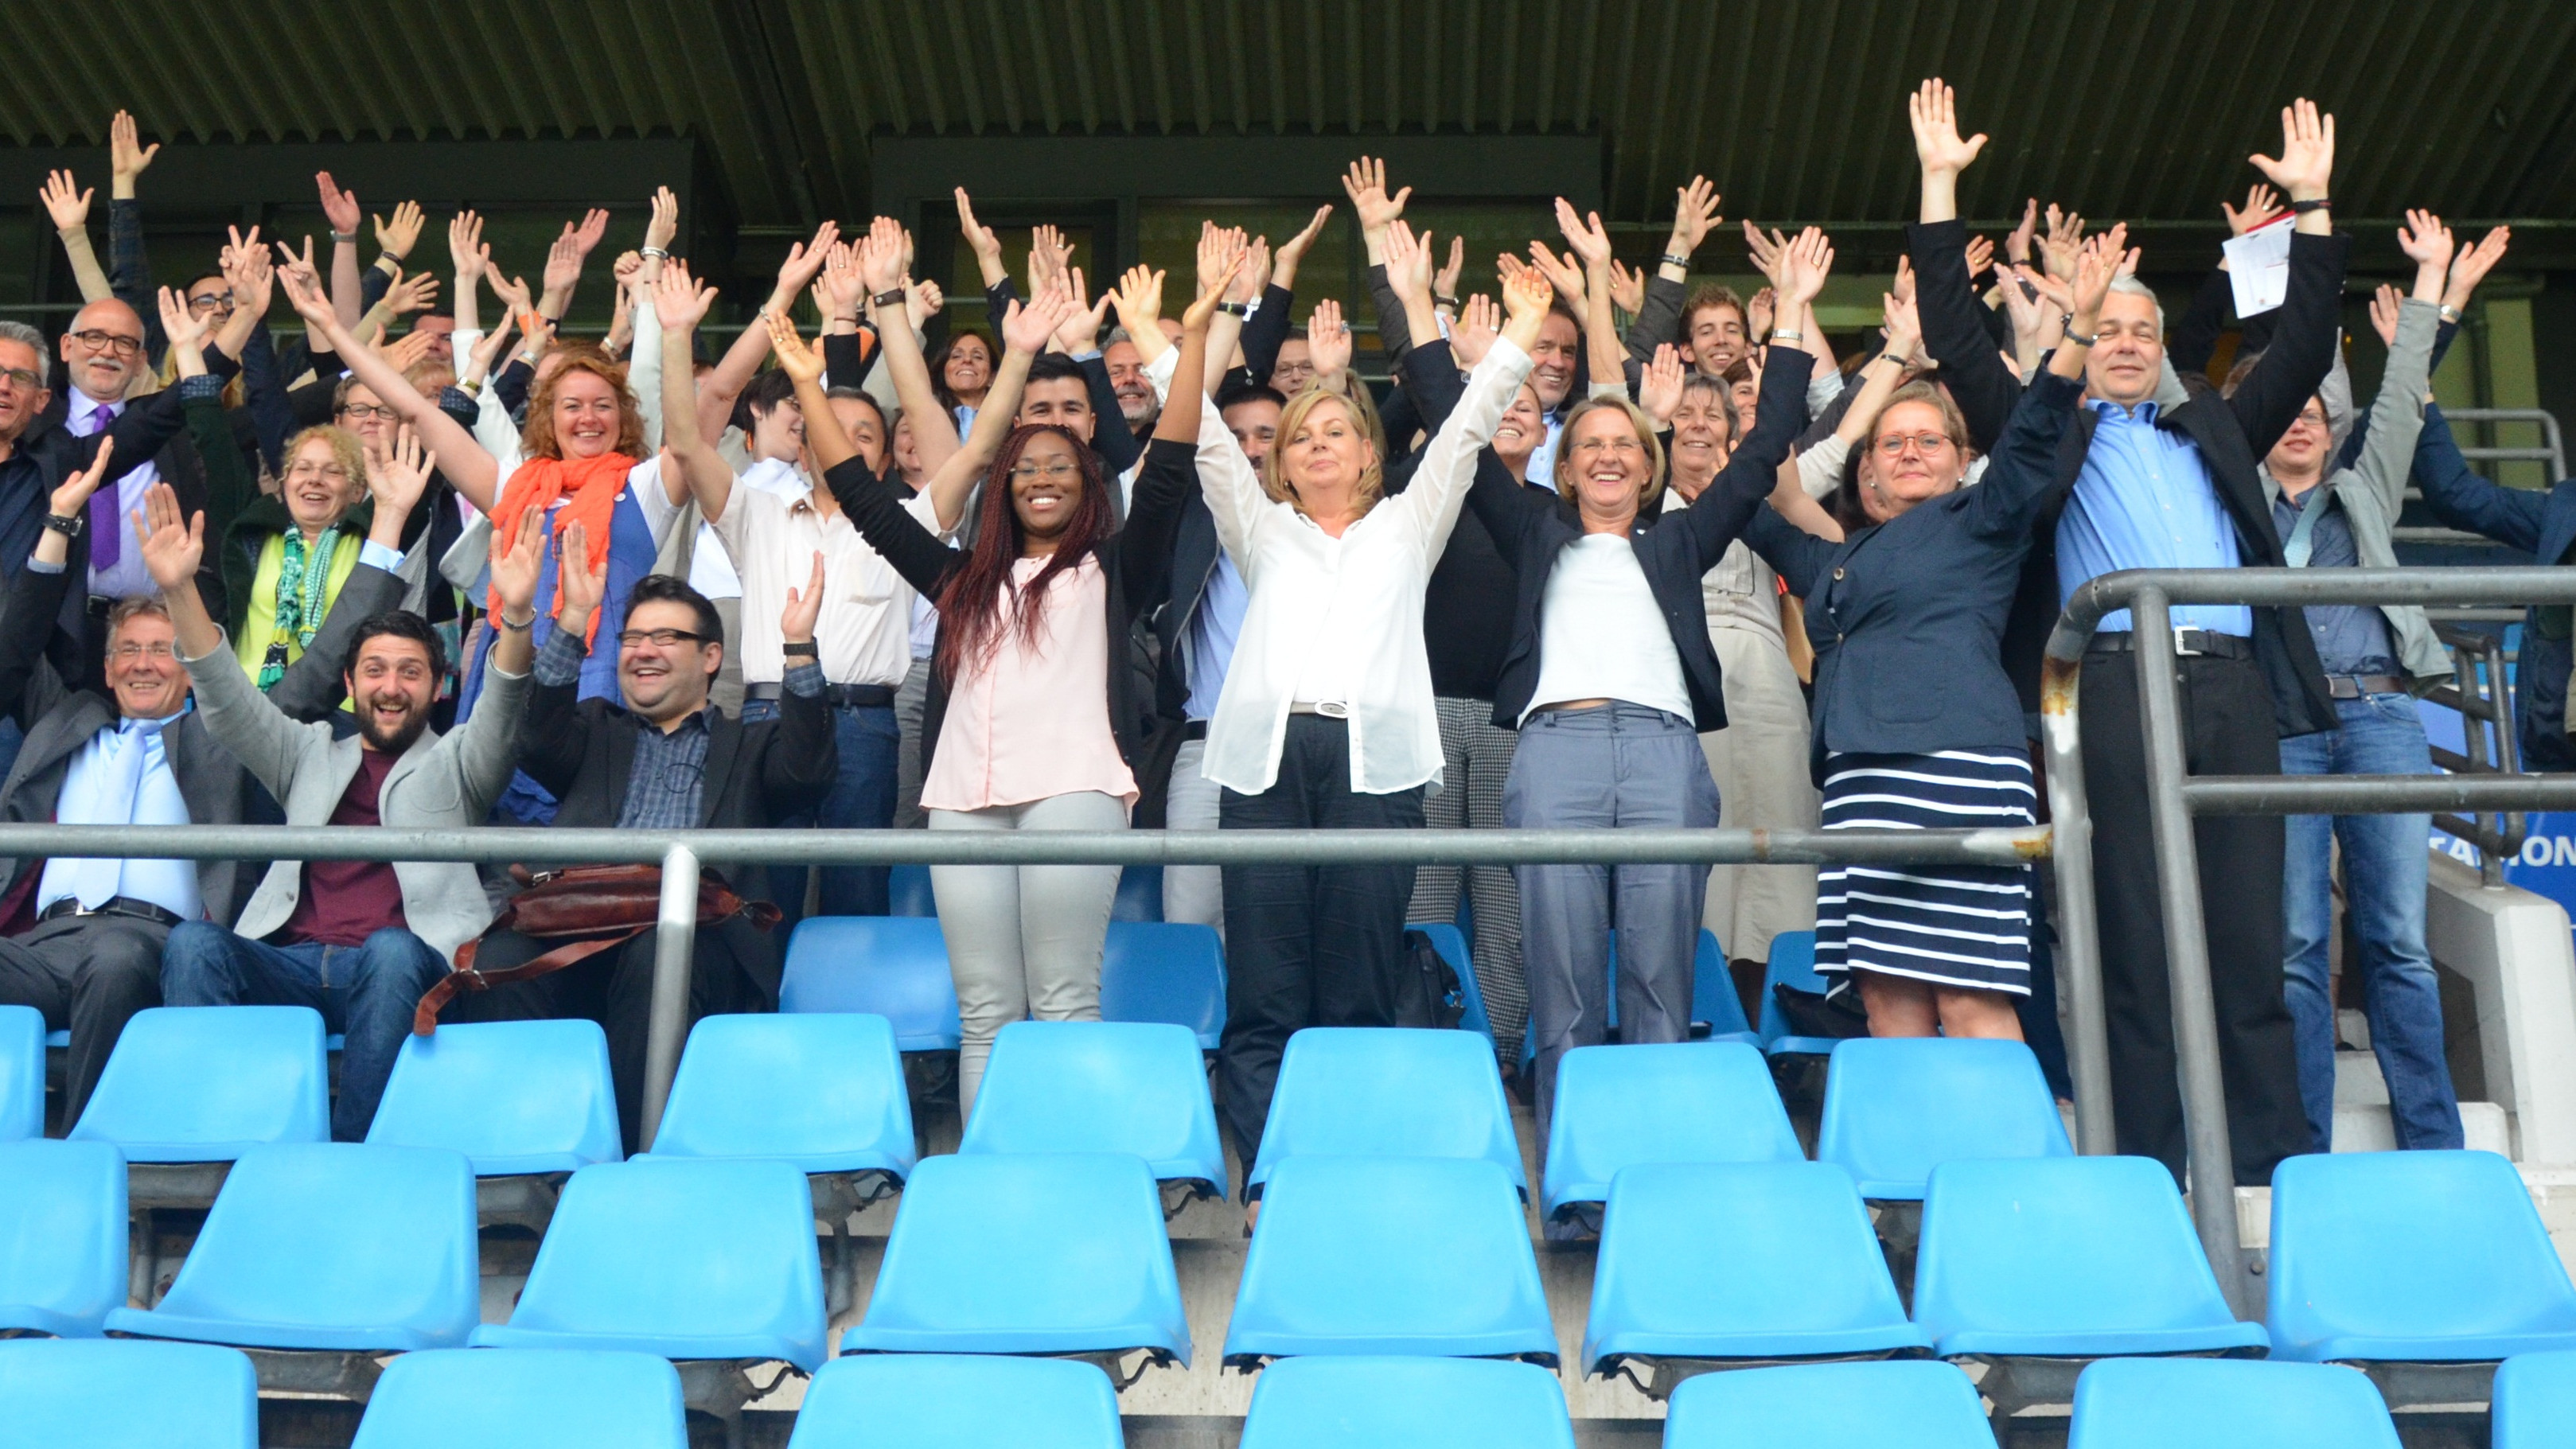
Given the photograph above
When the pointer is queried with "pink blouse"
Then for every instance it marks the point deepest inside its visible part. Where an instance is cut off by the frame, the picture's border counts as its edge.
(1026, 723)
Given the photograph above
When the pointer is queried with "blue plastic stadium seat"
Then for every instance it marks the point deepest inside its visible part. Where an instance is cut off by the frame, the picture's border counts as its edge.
(1027, 1252)
(956, 1401)
(1140, 894)
(93, 1394)
(513, 1096)
(1792, 964)
(2535, 1401)
(22, 1073)
(2149, 1403)
(1420, 1403)
(1714, 1003)
(207, 1083)
(1098, 1086)
(1665, 1102)
(890, 966)
(2435, 1257)
(687, 1260)
(502, 1398)
(1390, 1255)
(823, 1092)
(1830, 1406)
(62, 1237)
(908, 892)
(1451, 943)
(2067, 1257)
(1736, 1261)
(1897, 1107)
(1164, 971)
(1388, 1091)
(329, 1245)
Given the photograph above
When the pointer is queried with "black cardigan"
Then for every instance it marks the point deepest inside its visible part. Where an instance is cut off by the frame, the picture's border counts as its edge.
(1674, 549)
(1137, 560)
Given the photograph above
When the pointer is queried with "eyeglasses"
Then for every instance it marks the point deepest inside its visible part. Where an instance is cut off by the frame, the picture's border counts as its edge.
(97, 340)
(1058, 469)
(21, 376)
(364, 411)
(1928, 444)
(128, 653)
(218, 304)
(326, 470)
(658, 638)
(1590, 446)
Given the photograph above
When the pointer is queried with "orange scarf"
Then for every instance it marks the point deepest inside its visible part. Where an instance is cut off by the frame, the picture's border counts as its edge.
(593, 485)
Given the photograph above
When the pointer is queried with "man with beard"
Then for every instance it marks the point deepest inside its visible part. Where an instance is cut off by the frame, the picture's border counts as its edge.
(357, 940)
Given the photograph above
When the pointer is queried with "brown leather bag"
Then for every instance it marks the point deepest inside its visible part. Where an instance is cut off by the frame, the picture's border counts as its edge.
(591, 908)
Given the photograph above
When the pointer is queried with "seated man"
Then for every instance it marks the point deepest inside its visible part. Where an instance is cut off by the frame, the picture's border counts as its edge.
(358, 941)
(665, 760)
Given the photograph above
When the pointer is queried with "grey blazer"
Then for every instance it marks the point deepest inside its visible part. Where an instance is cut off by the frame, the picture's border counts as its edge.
(442, 780)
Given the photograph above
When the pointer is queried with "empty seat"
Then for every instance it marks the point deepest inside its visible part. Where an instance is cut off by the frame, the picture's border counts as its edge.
(823, 1091)
(1390, 1255)
(524, 1399)
(1153, 970)
(1140, 894)
(334, 1246)
(1451, 944)
(2426, 1257)
(684, 1259)
(2144, 1403)
(22, 1073)
(2535, 1400)
(1420, 1403)
(1385, 1091)
(207, 1083)
(1710, 1263)
(908, 892)
(1714, 1003)
(1830, 1406)
(1896, 1107)
(62, 1236)
(1027, 1252)
(1665, 1102)
(1097, 1086)
(92, 1394)
(955, 1401)
(1792, 964)
(890, 966)
(513, 1096)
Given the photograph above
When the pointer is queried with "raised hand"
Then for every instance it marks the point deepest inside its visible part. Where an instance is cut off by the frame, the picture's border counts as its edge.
(2471, 265)
(247, 270)
(467, 256)
(563, 263)
(2385, 307)
(1694, 216)
(65, 202)
(2095, 267)
(513, 291)
(1328, 341)
(1221, 253)
(587, 236)
(1365, 184)
(411, 293)
(1759, 310)
(1139, 300)
(665, 224)
(1933, 110)
(881, 256)
(72, 494)
(1444, 282)
(1981, 255)
(396, 238)
(923, 300)
(838, 288)
(2305, 166)
(1526, 298)
(1255, 270)
(478, 364)
(127, 157)
(1028, 328)
(1050, 256)
(1904, 326)
(801, 363)
(1627, 288)
(397, 477)
(2065, 235)
(2261, 205)
(579, 584)
(1479, 323)
(1803, 269)
(1564, 273)
(173, 544)
(804, 261)
(1408, 262)
(1292, 252)
(987, 247)
(515, 570)
(408, 349)
(1765, 249)
(680, 300)
(304, 288)
(2427, 243)
(186, 330)
(2017, 245)
(1080, 329)
(804, 606)
(1659, 391)
(1590, 241)
(340, 208)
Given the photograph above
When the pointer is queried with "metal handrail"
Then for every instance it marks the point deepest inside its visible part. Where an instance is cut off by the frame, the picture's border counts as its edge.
(2174, 797)
(2477, 690)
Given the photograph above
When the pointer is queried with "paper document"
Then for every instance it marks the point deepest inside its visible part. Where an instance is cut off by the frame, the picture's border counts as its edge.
(2258, 264)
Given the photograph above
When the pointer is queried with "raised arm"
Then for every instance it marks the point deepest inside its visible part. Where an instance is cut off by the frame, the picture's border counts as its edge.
(1024, 331)
(68, 205)
(1440, 485)
(2024, 471)
(980, 239)
(733, 372)
(934, 429)
(1953, 332)
(466, 465)
(340, 210)
(2304, 343)
(680, 301)
(1605, 358)
(1717, 518)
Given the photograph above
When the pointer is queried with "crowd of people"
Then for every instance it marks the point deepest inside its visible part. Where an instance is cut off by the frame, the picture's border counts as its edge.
(1613, 550)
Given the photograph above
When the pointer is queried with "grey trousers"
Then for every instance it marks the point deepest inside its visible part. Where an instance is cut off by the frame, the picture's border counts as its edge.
(909, 700)
(1476, 759)
(88, 975)
(1194, 894)
(1603, 768)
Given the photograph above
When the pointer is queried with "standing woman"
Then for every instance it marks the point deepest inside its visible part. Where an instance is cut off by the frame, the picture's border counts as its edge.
(1033, 715)
(1916, 724)
(1326, 718)
(1610, 677)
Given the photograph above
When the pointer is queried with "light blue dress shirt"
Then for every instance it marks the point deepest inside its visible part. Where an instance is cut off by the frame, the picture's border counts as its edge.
(2145, 500)
(122, 777)
(1210, 642)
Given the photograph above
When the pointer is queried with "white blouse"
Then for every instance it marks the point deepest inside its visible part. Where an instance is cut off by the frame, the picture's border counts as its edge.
(1345, 609)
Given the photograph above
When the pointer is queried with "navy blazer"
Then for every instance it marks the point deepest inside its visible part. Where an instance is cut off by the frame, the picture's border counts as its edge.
(2540, 523)
(1674, 549)
(1907, 616)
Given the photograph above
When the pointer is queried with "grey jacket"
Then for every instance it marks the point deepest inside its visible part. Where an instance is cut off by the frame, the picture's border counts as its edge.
(447, 780)
(2373, 489)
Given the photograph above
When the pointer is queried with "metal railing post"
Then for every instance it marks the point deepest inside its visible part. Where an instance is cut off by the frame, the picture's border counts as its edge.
(2079, 935)
(2195, 1014)
(675, 940)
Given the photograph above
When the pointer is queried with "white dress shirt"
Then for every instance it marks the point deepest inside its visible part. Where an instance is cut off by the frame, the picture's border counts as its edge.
(773, 530)
(122, 777)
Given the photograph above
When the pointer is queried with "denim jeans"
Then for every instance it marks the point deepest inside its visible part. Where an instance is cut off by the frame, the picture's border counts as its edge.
(366, 993)
(861, 798)
(2385, 873)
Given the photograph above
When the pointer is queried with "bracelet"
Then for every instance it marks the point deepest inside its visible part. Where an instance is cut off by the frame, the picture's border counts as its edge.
(892, 297)
(1235, 309)
(807, 650)
(2304, 207)
(1784, 334)
(1672, 259)
(1439, 301)
(516, 626)
(347, 237)
(2449, 313)
(2080, 339)
(653, 253)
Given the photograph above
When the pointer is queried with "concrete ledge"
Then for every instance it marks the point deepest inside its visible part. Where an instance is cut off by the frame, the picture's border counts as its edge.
(2514, 950)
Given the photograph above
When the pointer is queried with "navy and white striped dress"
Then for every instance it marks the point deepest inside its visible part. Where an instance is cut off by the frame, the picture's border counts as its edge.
(1952, 925)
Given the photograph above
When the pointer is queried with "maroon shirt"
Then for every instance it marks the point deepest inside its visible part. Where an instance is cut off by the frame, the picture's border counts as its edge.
(345, 901)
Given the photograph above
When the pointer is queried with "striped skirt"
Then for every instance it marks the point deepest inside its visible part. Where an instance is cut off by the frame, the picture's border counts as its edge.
(1954, 925)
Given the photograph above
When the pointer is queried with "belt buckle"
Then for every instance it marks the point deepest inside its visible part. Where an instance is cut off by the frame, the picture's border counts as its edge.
(2190, 643)
(1332, 709)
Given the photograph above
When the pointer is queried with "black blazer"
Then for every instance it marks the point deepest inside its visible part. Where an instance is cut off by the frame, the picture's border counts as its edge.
(2232, 434)
(1907, 616)
(1137, 560)
(1674, 549)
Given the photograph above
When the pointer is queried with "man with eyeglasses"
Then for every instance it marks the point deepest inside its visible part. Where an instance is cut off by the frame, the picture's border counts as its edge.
(661, 758)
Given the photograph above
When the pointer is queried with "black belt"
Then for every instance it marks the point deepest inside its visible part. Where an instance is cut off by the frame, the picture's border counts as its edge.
(2188, 643)
(114, 906)
(2355, 686)
(839, 696)
(1194, 730)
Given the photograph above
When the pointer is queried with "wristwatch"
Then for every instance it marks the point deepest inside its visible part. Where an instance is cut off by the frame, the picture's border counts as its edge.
(2068, 327)
(893, 297)
(515, 626)
(807, 650)
(68, 527)
(2449, 313)
(1236, 309)
(1674, 260)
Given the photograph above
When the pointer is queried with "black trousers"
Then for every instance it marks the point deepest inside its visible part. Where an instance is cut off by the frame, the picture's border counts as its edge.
(2228, 729)
(613, 988)
(1306, 945)
(88, 975)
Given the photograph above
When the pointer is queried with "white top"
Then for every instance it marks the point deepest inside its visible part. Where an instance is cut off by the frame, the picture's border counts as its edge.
(1348, 608)
(865, 630)
(1600, 634)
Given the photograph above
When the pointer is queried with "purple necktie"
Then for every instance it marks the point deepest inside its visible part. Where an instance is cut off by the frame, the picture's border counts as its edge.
(106, 531)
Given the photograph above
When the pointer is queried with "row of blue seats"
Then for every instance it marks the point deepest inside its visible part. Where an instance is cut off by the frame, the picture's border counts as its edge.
(178, 1396)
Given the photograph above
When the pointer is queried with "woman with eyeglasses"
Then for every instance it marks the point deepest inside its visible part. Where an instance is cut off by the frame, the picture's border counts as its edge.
(1916, 726)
